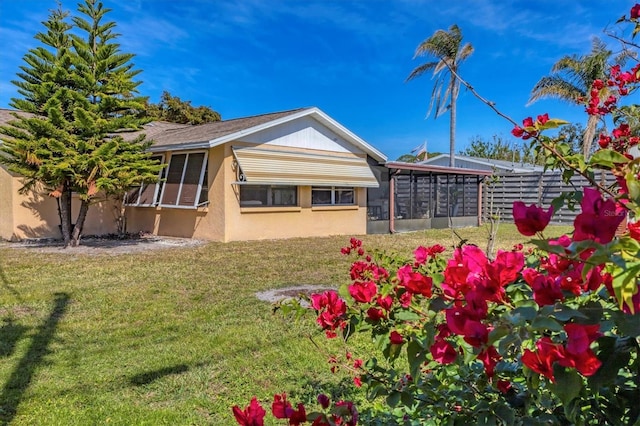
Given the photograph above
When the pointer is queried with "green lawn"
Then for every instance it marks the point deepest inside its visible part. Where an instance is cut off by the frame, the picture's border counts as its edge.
(172, 336)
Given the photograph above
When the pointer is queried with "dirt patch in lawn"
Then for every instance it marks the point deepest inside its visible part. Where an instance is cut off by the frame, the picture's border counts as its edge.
(299, 292)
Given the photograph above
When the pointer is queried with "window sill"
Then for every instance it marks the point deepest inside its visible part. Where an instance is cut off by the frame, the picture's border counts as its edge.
(278, 209)
(335, 207)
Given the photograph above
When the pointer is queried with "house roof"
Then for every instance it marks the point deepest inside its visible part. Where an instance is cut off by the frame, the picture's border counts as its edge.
(468, 162)
(217, 133)
(173, 137)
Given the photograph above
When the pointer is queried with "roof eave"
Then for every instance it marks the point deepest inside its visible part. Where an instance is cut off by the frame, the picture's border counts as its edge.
(436, 169)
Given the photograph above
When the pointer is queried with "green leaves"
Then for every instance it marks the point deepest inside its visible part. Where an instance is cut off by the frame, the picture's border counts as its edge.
(607, 158)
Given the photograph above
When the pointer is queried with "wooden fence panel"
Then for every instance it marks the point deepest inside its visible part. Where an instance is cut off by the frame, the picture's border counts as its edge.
(540, 188)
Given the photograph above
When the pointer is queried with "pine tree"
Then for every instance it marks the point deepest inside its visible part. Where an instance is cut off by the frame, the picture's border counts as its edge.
(81, 95)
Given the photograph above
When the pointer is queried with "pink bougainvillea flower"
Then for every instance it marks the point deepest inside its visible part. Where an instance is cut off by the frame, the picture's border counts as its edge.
(324, 401)
(504, 386)
(599, 218)
(376, 314)
(541, 361)
(415, 282)
(530, 219)
(580, 337)
(542, 119)
(331, 310)
(344, 414)
(517, 131)
(502, 271)
(357, 382)
(443, 352)
(298, 416)
(464, 271)
(422, 254)
(546, 290)
(396, 338)
(527, 122)
(252, 415)
(281, 408)
(489, 357)
(363, 292)
(635, 11)
(634, 230)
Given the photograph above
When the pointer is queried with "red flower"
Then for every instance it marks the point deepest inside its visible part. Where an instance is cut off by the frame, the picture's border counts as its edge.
(363, 292)
(546, 291)
(443, 352)
(375, 314)
(542, 119)
(532, 219)
(345, 414)
(489, 358)
(298, 417)
(542, 360)
(281, 408)
(634, 230)
(504, 386)
(517, 131)
(357, 382)
(253, 414)
(635, 11)
(396, 338)
(324, 401)
(598, 220)
(422, 254)
(331, 310)
(580, 337)
(415, 282)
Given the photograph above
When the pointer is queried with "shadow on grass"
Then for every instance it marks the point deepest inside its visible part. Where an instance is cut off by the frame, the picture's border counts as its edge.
(10, 333)
(22, 375)
(150, 376)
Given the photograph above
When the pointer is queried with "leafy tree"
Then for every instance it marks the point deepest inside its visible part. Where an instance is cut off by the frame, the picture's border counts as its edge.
(447, 47)
(173, 109)
(571, 79)
(80, 93)
(410, 158)
(499, 149)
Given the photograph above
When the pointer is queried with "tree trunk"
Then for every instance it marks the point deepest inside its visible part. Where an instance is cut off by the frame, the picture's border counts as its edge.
(589, 135)
(65, 214)
(77, 229)
(452, 122)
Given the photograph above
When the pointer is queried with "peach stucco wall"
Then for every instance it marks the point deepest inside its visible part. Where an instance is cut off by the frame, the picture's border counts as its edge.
(224, 220)
(35, 214)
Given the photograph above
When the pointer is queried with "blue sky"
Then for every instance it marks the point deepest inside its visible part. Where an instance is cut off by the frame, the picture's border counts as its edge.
(350, 58)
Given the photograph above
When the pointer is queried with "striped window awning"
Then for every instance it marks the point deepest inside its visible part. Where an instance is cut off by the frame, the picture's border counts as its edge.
(260, 166)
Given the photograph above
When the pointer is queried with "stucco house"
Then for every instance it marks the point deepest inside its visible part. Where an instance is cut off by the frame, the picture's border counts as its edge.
(295, 173)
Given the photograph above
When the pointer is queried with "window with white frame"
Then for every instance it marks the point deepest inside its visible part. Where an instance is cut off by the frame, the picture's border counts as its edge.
(185, 182)
(146, 195)
(332, 196)
(268, 195)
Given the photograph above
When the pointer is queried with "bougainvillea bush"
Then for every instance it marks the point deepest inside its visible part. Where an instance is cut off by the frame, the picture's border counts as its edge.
(544, 335)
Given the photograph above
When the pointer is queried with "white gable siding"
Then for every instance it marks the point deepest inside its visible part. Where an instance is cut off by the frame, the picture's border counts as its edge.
(302, 133)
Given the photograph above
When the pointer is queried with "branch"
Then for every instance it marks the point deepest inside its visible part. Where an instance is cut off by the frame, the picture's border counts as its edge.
(551, 149)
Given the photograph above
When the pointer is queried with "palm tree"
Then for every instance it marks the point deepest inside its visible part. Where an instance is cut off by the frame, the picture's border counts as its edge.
(447, 47)
(571, 79)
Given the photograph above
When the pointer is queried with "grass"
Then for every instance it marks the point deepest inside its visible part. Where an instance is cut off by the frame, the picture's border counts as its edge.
(173, 336)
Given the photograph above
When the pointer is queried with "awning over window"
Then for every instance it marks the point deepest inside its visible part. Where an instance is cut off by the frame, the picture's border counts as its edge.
(261, 166)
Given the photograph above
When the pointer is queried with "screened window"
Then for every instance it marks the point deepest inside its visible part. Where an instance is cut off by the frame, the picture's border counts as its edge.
(186, 181)
(146, 195)
(321, 196)
(268, 195)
